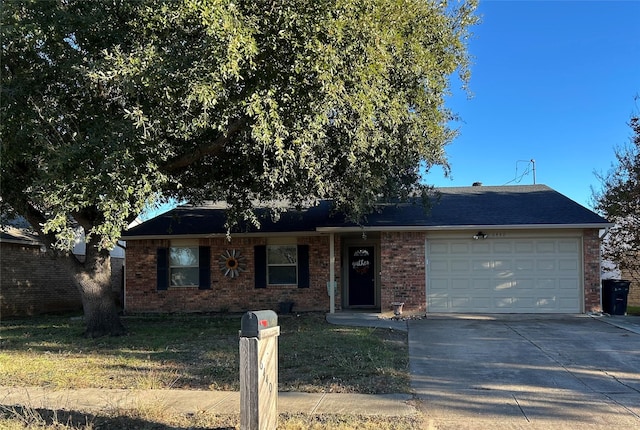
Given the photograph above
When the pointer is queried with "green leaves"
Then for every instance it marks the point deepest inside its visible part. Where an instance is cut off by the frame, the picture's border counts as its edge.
(107, 105)
(619, 201)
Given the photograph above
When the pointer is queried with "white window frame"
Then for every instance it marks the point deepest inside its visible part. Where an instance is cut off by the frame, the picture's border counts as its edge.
(270, 248)
(195, 249)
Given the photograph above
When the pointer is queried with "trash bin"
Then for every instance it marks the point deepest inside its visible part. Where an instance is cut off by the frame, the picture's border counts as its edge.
(614, 296)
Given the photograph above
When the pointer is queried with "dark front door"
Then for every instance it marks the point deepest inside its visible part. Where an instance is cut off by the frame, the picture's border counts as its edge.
(362, 276)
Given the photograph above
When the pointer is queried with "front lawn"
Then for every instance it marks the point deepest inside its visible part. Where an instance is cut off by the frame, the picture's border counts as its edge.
(200, 352)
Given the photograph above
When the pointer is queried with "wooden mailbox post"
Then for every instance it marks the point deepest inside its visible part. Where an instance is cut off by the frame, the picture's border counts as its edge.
(259, 370)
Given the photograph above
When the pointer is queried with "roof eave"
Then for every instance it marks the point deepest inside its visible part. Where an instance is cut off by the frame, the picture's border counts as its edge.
(218, 235)
(358, 229)
(352, 229)
(21, 241)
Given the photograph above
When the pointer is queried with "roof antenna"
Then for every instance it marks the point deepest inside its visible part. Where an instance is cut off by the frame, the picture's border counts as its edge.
(531, 168)
(533, 162)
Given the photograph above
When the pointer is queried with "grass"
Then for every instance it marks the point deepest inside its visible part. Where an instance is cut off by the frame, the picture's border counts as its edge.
(633, 310)
(196, 352)
(200, 352)
(42, 419)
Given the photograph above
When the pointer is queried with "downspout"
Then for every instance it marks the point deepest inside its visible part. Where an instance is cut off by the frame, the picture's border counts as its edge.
(332, 274)
(605, 232)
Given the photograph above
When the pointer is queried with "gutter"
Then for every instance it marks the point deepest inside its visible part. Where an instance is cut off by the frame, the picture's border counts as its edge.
(220, 235)
(360, 229)
(356, 229)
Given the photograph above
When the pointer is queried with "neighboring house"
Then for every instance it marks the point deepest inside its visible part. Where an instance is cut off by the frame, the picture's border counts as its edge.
(633, 299)
(33, 283)
(481, 249)
(610, 270)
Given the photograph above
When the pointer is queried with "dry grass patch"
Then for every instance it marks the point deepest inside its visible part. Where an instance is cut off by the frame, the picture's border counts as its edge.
(147, 419)
(200, 352)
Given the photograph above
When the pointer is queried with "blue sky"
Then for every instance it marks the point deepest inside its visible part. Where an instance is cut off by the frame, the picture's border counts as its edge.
(552, 81)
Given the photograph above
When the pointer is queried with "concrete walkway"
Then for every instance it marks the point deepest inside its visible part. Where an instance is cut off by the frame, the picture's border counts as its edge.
(628, 323)
(199, 401)
(367, 319)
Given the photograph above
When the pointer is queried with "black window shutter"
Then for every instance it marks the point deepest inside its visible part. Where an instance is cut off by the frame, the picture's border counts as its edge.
(162, 268)
(303, 266)
(260, 266)
(204, 254)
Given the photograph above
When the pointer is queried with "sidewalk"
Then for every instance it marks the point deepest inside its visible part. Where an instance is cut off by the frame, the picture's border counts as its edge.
(626, 322)
(198, 401)
(367, 319)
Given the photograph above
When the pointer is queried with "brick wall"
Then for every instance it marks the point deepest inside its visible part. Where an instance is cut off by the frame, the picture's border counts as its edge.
(591, 252)
(32, 283)
(226, 294)
(402, 276)
(633, 299)
(403, 273)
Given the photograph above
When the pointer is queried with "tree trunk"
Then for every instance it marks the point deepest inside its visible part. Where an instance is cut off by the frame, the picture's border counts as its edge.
(94, 283)
(101, 315)
(92, 277)
(100, 311)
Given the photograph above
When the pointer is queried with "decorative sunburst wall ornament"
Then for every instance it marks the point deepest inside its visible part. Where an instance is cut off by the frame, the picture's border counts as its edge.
(231, 263)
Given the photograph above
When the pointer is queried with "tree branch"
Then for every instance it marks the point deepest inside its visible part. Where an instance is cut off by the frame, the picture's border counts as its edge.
(209, 148)
(36, 219)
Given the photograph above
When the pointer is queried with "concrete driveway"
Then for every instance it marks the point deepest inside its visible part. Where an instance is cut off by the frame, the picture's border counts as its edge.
(546, 371)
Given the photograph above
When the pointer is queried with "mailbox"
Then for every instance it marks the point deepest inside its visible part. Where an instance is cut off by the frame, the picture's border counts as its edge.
(252, 323)
(259, 333)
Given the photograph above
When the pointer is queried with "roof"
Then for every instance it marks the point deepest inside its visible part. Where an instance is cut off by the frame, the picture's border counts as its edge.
(523, 206)
(17, 235)
(18, 230)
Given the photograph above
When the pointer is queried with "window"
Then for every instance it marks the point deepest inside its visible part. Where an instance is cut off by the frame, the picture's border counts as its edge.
(183, 266)
(282, 264)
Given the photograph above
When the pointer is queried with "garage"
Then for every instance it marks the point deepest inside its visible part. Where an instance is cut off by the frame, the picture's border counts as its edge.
(495, 273)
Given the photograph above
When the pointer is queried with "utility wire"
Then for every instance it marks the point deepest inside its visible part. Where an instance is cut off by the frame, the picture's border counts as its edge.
(526, 171)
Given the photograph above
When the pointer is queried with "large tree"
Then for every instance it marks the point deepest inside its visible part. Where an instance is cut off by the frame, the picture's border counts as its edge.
(109, 105)
(619, 201)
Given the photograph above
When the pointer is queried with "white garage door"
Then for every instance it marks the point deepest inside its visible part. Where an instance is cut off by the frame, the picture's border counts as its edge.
(497, 275)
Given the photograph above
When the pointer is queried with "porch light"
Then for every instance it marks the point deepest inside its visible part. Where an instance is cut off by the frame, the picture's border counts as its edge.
(479, 235)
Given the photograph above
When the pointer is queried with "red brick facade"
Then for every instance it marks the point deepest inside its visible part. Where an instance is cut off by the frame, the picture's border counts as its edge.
(591, 267)
(402, 276)
(226, 294)
(403, 273)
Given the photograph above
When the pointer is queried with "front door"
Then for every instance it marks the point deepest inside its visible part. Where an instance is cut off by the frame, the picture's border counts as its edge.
(362, 276)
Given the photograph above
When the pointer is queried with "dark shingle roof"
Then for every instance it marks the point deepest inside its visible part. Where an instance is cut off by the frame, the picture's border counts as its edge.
(17, 230)
(453, 207)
